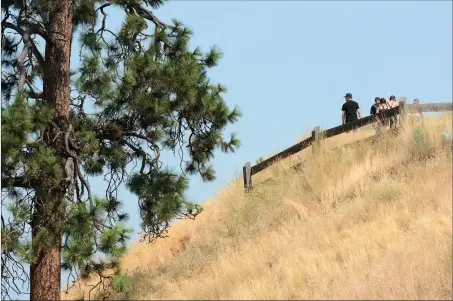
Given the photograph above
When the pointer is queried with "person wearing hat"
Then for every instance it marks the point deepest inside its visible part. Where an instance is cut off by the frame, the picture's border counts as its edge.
(350, 110)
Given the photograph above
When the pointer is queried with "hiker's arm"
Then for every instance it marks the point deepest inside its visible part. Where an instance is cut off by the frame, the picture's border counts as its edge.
(343, 117)
(360, 114)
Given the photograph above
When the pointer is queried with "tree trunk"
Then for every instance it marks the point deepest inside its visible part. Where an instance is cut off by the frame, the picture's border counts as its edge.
(45, 271)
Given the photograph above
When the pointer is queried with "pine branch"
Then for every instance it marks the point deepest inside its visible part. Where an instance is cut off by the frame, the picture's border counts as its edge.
(21, 67)
(12, 271)
(155, 146)
(139, 136)
(33, 94)
(101, 8)
(19, 182)
(76, 162)
(142, 11)
(27, 40)
(38, 28)
(138, 151)
(149, 16)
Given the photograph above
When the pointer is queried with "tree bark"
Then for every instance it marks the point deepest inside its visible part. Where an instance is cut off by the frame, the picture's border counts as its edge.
(45, 271)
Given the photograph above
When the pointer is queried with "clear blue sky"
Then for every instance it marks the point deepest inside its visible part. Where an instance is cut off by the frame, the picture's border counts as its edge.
(288, 64)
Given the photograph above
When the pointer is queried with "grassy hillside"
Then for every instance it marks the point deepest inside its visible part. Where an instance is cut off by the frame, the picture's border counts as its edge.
(369, 222)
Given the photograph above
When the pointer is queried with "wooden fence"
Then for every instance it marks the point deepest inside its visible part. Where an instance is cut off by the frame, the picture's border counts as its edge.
(317, 134)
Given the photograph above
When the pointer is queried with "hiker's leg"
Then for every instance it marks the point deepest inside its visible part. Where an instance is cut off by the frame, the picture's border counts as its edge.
(376, 126)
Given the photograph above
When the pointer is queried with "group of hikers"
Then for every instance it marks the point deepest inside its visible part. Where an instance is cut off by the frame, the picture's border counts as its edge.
(351, 112)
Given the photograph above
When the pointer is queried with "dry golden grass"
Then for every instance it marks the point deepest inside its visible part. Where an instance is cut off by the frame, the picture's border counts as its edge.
(335, 141)
(369, 222)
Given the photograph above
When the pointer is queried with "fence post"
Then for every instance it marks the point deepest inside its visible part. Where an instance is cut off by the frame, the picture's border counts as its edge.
(402, 104)
(315, 135)
(247, 172)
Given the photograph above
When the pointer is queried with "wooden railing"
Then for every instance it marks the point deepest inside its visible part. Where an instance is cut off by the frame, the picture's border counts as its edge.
(317, 134)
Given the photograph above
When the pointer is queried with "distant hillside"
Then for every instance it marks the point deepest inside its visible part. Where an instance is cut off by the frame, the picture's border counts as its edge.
(369, 222)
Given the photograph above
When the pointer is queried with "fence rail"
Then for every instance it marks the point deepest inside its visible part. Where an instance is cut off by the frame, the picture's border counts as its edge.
(317, 134)
(430, 107)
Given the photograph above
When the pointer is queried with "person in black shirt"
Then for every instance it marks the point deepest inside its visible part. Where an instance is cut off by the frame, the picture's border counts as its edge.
(350, 110)
(373, 111)
(375, 106)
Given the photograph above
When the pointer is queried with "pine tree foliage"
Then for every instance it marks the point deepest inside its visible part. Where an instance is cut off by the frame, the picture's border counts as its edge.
(150, 93)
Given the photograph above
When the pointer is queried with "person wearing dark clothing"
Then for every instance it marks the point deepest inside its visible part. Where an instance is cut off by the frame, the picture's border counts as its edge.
(374, 107)
(350, 110)
(373, 111)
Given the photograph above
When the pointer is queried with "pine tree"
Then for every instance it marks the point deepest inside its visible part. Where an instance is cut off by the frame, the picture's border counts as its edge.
(138, 91)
